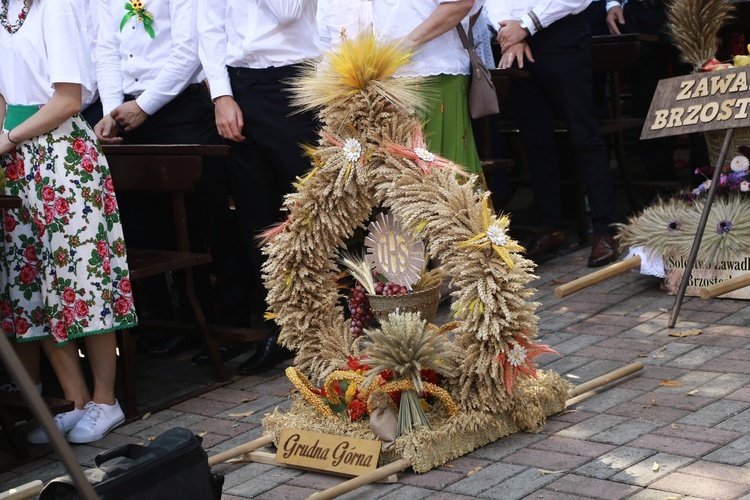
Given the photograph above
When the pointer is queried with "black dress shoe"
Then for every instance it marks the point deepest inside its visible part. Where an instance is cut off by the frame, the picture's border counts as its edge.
(267, 355)
(173, 345)
(225, 353)
(544, 244)
(605, 251)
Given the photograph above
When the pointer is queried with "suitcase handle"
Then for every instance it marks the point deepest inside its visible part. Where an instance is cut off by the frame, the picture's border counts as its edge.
(132, 451)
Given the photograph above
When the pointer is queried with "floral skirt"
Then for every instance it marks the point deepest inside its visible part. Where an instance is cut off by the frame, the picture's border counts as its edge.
(63, 269)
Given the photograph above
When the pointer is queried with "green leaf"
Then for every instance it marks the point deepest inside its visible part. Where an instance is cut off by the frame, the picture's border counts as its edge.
(127, 16)
(148, 28)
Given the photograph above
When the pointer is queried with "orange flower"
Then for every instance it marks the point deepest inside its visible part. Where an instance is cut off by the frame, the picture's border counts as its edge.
(519, 359)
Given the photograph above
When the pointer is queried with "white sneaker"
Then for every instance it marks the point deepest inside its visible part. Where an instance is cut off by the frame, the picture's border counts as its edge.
(96, 423)
(65, 422)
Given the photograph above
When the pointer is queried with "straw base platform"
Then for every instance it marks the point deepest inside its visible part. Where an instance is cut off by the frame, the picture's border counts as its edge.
(450, 437)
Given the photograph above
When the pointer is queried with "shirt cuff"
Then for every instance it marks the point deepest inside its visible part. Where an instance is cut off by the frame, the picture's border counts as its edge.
(151, 102)
(531, 22)
(220, 87)
(611, 4)
(109, 105)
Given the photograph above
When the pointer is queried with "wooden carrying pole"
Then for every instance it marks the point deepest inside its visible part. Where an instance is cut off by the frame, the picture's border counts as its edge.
(606, 379)
(24, 491)
(597, 277)
(240, 450)
(727, 286)
(363, 480)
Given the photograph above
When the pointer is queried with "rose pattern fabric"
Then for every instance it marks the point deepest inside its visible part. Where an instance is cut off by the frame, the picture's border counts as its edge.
(63, 271)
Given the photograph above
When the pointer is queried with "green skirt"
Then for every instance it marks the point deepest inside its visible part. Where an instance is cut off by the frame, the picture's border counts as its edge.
(447, 121)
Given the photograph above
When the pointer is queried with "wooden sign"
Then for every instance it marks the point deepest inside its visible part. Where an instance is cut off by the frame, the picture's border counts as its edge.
(392, 252)
(716, 100)
(326, 452)
(705, 274)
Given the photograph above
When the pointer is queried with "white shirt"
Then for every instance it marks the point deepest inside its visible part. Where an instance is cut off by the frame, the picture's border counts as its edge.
(394, 19)
(131, 62)
(342, 18)
(87, 11)
(254, 34)
(546, 11)
(50, 47)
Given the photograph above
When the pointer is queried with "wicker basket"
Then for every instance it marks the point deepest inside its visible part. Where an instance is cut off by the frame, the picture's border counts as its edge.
(425, 302)
(715, 139)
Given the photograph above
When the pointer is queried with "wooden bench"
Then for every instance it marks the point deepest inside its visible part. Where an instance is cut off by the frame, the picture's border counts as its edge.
(173, 170)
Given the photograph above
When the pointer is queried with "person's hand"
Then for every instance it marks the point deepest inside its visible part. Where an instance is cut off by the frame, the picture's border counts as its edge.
(510, 33)
(5, 145)
(229, 120)
(129, 115)
(515, 53)
(615, 18)
(106, 131)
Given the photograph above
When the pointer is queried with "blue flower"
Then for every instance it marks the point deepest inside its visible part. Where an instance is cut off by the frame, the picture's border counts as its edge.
(724, 226)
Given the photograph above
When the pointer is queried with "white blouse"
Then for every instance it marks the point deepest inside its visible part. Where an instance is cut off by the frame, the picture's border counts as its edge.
(342, 18)
(545, 12)
(394, 19)
(51, 47)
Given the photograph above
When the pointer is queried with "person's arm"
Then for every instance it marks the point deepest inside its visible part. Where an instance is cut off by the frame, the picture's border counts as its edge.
(445, 18)
(108, 74)
(65, 102)
(544, 13)
(212, 49)
(3, 104)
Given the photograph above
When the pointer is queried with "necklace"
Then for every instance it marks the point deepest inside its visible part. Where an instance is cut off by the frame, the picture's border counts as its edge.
(12, 28)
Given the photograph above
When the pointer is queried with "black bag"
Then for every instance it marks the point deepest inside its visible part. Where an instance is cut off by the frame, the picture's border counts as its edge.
(172, 466)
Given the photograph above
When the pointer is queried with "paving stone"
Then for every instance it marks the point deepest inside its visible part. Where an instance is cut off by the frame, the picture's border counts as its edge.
(592, 487)
(681, 401)
(590, 371)
(740, 394)
(183, 420)
(572, 446)
(204, 406)
(665, 372)
(633, 345)
(737, 423)
(626, 431)
(653, 494)
(598, 352)
(690, 381)
(674, 446)
(433, 480)
(287, 492)
(723, 385)
(225, 428)
(316, 481)
(612, 462)
(567, 364)
(718, 471)
(728, 365)
(371, 491)
(520, 485)
(545, 494)
(709, 435)
(607, 398)
(688, 484)
(735, 453)
(552, 427)
(506, 446)
(485, 479)
(261, 480)
(463, 465)
(698, 357)
(139, 425)
(259, 406)
(667, 353)
(714, 413)
(408, 492)
(648, 412)
(642, 473)
(591, 426)
(547, 460)
(576, 343)
(573, 416)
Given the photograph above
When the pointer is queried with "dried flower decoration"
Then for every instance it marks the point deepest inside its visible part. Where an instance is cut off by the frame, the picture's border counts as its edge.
(739, 163)
(495, 236)
(520, 360)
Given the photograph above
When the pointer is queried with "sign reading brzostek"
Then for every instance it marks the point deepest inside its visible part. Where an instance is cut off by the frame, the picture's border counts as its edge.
(716, 100)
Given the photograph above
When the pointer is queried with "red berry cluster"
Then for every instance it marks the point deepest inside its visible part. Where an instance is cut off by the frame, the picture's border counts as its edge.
(390, 288)
(359, 308)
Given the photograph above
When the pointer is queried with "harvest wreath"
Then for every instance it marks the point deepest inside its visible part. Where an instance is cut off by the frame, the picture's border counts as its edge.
(371, 153)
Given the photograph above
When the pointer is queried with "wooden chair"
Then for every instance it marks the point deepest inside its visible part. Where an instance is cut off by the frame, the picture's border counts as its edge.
(173, 170)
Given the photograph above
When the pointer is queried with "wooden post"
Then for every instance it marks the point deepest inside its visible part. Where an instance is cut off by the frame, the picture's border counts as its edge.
(597, 277)
(701, 228)
(606, 379)
(240, 450)
(727, 286)
(24, 491)
(363, 480)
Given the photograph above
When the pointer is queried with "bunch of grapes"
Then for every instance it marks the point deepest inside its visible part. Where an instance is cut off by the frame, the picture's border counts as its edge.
(359, 308)
(390, 288)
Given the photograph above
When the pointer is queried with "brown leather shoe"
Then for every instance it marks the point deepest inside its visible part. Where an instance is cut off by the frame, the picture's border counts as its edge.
(605, 251)
(544, 244)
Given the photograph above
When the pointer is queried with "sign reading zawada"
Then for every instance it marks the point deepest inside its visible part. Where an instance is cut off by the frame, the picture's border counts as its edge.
(716, 100)
(326, 452)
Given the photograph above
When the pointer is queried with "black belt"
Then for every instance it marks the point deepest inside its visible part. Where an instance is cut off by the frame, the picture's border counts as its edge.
(193, 87)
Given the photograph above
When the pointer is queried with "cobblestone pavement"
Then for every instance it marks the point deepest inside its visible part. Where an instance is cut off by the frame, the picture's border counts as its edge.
(637, 439)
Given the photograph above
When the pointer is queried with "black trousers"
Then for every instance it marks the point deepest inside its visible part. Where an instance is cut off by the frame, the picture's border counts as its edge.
(261, 169)
(560, 87)
(189, 119)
